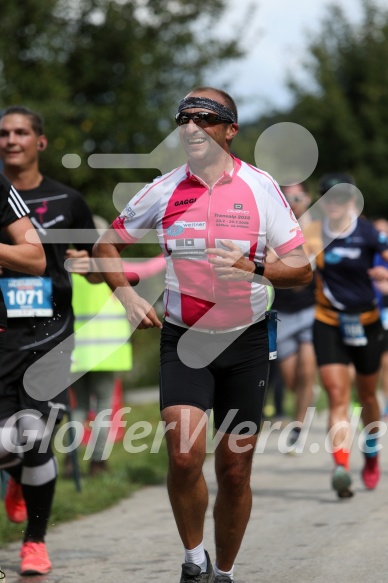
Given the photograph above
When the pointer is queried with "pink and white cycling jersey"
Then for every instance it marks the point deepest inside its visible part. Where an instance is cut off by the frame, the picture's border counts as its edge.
(246, 207)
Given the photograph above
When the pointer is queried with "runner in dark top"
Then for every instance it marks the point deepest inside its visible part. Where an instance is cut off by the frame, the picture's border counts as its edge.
(35, 371)
(21, 254)
(347, 327)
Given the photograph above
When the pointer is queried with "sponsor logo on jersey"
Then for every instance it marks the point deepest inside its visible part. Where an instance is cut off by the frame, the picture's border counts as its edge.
(185, 201)
(196, 225)
(354, 240)
(239, 211)
(58, 219)
(336, 254)
(199, 243)
(185, 243)
(175, 230)
(187, 248)
(129, 212)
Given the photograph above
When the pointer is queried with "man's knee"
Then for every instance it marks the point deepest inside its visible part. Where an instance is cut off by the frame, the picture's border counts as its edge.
(186, 465)
(234, 480)
(233, 470)
(367, 399)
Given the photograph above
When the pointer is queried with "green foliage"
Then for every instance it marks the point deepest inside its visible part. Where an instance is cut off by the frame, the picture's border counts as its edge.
(145, 345)
(345, 104)
(107, 76)
(128, 472)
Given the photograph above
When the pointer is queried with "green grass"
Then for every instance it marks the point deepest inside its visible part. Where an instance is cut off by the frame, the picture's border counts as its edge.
(128, 472)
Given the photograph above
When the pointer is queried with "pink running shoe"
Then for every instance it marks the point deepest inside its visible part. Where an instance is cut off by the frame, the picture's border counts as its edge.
(35, 559)
(14, 503)
(371, 472)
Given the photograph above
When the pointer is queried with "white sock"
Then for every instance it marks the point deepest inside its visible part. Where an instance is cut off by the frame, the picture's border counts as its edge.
(218, 571)
(197, 556)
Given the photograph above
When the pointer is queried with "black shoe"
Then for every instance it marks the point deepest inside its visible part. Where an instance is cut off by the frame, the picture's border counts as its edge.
(223, 579)
(191, 573)
(341, 482)
(293, 441)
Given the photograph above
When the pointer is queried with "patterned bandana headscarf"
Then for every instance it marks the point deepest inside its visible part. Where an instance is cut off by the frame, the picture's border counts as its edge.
(207, 103)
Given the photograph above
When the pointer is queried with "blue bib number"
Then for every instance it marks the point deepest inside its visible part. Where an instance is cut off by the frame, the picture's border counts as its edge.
(384, 318)
(352, 331)
(272, 325)
(27, 296)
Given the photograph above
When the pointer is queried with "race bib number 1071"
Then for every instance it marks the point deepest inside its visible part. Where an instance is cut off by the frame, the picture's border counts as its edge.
(28, 296)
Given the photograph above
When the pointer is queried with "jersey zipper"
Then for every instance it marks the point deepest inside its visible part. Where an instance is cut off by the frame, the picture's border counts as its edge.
(212, 274)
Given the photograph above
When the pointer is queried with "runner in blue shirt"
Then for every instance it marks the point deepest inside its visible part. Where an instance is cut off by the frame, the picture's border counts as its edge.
(347, 327)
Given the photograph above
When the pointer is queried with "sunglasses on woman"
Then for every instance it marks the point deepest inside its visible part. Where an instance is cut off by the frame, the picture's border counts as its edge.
(200, 118)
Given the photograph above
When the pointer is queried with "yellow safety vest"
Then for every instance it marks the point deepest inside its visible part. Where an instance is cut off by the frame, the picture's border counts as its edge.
(102, 329)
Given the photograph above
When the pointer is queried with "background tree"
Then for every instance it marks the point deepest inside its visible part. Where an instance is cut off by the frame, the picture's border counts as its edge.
(106, 75)
(345, 104)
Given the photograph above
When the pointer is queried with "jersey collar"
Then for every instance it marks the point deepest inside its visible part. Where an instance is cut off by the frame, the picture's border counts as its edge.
(224, 178)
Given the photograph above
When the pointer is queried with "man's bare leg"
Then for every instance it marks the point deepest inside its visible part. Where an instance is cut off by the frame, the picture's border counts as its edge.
(185, 481)
(233, 504)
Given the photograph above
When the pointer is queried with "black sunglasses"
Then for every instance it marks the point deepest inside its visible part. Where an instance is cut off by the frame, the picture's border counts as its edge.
(200, 118)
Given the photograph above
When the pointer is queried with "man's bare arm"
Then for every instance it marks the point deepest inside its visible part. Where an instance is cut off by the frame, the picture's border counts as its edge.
(25, 256)
(106, 253)
(289, 270)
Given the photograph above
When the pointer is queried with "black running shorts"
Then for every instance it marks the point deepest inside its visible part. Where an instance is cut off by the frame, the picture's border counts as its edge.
(385, 344)
(234, 381)
(330, 348)
(13, 395)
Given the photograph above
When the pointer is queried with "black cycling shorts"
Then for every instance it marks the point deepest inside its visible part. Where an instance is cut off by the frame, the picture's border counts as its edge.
(235, 380)
(385, 343)
(13, 395)
(330, 348)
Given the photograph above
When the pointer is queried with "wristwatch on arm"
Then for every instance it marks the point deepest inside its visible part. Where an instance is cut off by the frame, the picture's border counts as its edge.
(259, 268)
